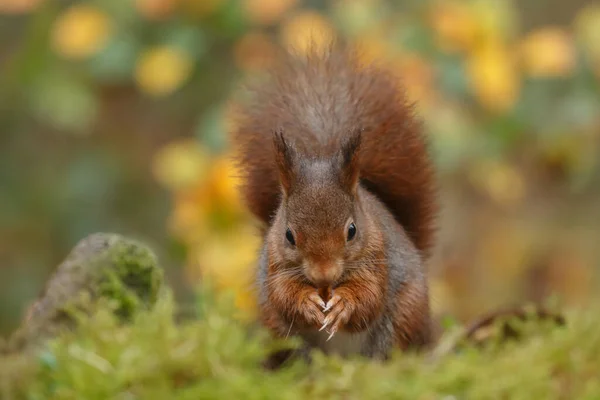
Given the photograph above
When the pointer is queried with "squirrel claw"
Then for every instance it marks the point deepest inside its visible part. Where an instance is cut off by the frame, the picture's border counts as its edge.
(333, 331)
(332, 302)
(325, 323)
(318, 300)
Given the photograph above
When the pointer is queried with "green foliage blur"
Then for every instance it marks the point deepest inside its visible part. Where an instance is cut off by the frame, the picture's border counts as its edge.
(113, 111)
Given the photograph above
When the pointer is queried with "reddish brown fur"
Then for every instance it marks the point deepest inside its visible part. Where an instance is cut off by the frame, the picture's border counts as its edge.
(392, 164)
(362, 292)
(413, 327)
(402, 179)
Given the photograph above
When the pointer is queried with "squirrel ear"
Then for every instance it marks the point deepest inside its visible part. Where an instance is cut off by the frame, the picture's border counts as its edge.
(350, 160)
(285, 158)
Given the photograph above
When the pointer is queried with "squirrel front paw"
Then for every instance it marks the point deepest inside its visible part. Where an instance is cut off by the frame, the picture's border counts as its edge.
(338, 312)
(311, 308)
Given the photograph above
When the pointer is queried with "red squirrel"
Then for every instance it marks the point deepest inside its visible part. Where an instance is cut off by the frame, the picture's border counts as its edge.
(334, 162)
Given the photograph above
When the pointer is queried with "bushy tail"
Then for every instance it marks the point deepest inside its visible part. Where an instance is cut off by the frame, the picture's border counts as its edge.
(317, 99)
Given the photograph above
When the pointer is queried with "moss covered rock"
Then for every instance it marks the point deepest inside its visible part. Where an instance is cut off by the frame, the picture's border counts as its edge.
(120, 271)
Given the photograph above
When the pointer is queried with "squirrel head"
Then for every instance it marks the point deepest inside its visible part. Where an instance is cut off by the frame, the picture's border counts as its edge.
(320, 228)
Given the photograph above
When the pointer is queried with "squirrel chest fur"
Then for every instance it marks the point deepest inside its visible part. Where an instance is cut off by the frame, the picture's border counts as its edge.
(335, 165)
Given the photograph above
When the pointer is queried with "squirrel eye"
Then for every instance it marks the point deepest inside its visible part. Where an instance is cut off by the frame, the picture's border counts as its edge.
(351, 231)
(290, 237)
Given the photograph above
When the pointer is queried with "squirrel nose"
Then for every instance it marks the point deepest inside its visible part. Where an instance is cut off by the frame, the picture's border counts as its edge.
(323, 275)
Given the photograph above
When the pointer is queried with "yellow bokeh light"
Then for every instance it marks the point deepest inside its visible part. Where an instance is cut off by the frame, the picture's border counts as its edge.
(162, 70)
(224, 182)
(307, 30)
(548, 52)
(81, 31)
(493, 77)
(180, 164)
(230, 270)
(455, 26)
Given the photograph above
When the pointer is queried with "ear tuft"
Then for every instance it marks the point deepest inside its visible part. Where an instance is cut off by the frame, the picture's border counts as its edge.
(285, 157)
(350, 153)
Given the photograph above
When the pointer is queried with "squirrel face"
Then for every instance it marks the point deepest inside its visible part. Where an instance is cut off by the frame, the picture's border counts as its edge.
(320, 229)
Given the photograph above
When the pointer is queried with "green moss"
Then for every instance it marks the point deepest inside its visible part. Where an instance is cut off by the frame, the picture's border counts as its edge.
(217, 357)
(120, 271)
(133, 278)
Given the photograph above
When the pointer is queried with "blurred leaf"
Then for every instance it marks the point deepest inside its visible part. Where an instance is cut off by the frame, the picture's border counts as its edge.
(34, 55)
(416, 37)
(507, 129)
(230, 19)
(188, 39)
(580, 109)
(64, 102)
(355, 17)
(122, 13)
(211, 129)
(533, 105)
(90, 179)
(84, 203)
(453, 136)
(115, 63)
(451, 76)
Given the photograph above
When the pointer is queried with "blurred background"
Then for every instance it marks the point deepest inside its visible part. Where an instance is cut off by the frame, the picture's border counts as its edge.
(114, 113)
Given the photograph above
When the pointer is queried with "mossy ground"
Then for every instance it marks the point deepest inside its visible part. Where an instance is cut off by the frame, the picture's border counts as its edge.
(214, 356)
(101, 266)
